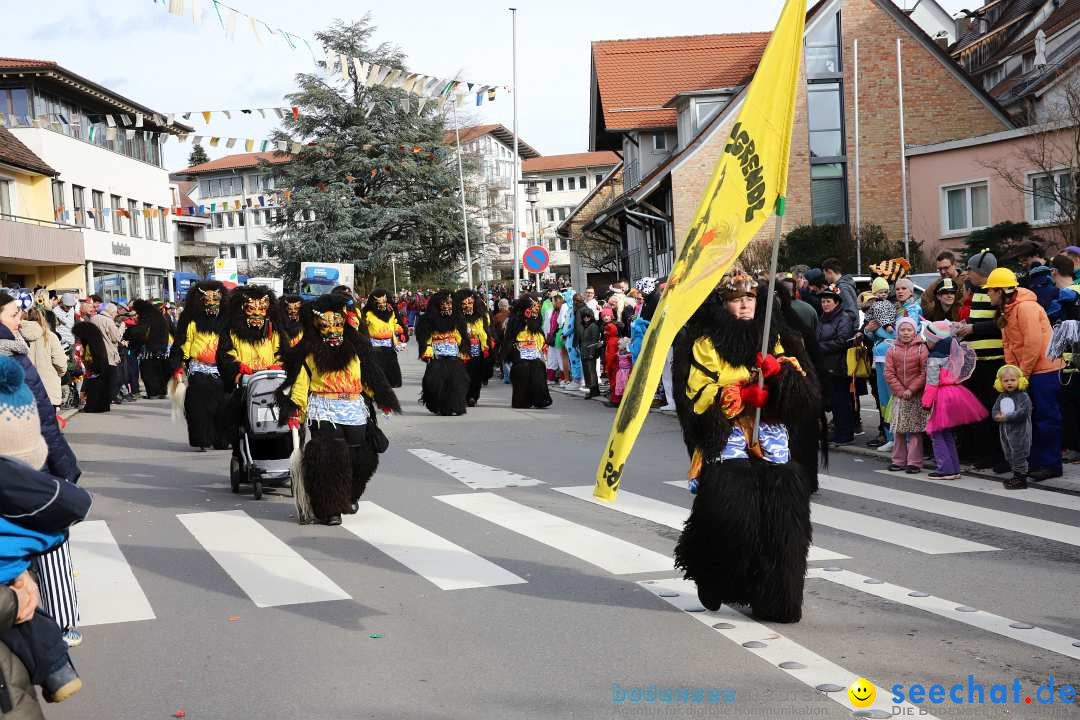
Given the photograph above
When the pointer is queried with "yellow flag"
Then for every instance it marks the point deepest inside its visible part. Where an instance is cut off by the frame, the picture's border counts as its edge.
(750, 180)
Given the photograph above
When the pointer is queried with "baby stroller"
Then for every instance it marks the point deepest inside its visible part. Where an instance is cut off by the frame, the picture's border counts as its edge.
(265, 446)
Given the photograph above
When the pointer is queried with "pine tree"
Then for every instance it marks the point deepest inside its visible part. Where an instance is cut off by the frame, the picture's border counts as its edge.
(198, 156)
(373, 175)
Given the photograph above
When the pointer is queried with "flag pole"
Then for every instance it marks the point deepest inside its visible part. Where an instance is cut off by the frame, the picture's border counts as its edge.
(769, 302)
(461, 187)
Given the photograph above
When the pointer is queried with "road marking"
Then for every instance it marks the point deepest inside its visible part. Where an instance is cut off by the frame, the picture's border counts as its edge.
(475, 475)
(993, 487)
(448, 566)
(108, 590)
(812, 669)
(268, 570)
(1036, 636)
(604, 551)
(960, 511)
(816, 554)
(894, 533)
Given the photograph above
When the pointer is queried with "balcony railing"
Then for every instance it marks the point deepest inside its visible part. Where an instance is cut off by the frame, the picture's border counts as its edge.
(631, 175)
(30, 240)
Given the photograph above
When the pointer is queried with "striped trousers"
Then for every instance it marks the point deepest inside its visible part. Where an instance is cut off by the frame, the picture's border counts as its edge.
(57, 585)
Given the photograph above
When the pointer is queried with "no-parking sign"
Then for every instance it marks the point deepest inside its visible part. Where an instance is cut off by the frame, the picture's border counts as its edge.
(535, 259)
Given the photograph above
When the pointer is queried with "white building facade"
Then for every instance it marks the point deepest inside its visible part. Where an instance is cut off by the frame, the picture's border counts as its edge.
(562, 182)
(111, 182)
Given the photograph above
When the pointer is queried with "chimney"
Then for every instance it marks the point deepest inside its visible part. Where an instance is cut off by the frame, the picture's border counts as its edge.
(942, 41)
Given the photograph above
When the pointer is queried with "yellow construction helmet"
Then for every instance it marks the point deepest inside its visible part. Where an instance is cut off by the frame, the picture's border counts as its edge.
(1001, 278)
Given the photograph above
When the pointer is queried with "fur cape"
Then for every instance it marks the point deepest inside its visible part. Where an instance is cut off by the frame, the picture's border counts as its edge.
(152, 327)
(290, 328)
(195, 312)
(432, 321)
(88, 334)
(328, 359)
(235, 323)
(517, 322)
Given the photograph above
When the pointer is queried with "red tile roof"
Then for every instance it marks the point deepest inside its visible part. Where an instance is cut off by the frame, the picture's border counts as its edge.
(6, 63)
(636, 77)
(235, 162)
(603, 158)
(14, 153)
(500, 132)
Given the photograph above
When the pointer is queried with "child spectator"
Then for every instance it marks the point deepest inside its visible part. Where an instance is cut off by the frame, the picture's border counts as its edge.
(951, 404)
(622, 374)
(1012, 411)
(905, 373)
(610, 331)
(879, 329)
(591, 343)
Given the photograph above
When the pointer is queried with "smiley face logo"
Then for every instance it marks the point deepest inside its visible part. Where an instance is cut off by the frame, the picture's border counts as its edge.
(862, 693)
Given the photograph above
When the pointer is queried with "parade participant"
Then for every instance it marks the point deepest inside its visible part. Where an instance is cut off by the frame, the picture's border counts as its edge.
(195, 349)
(289, 312)
(387, 336)
(473, 309)
(97, 372)
(153, 331)
(442, 337)
(748, 533)
(331, 376)
(525, 351)
(248, 342)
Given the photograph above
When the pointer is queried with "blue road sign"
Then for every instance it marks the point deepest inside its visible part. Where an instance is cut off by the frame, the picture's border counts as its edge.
(535, 259)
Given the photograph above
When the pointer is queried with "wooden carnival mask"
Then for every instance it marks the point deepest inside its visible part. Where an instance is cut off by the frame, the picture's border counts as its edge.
(255, 310)
(331, 327)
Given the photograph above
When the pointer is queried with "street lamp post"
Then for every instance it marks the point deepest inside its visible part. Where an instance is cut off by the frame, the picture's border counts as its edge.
(532, 196)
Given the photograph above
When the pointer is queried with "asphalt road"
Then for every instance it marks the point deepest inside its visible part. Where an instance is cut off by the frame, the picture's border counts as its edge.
(464, 592)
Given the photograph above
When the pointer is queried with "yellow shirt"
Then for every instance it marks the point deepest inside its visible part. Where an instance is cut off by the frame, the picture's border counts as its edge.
(531, 345)
(379, 329)
(710, 374)
(445, 340)
(312, 381)
(200, 346)
(478, 335)
(257, 356)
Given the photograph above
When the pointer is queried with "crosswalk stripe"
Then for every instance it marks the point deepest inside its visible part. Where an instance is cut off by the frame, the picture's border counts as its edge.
(894, 533)
(662, 513)
(448, 566)
(473, 474)
(268, 570)
(805, 665)
(960, 511)
(108, 590)
(991, 487)
(1040, 638)
(609, 553)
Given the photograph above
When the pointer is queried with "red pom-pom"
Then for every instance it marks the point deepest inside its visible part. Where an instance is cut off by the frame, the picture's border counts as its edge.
(754, 396)
(769, 365)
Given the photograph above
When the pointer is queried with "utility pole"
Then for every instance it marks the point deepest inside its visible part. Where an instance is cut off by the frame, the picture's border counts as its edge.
(517, 239)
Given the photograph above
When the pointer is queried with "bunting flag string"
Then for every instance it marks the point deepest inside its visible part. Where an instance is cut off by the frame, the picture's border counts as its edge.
(367, 74)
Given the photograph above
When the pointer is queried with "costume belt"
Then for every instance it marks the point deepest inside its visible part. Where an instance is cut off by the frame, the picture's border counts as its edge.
(340, 396)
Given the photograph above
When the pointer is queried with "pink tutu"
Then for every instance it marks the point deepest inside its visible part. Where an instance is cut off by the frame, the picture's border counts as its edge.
(954, 405)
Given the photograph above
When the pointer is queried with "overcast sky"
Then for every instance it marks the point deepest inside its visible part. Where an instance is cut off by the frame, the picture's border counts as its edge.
(170, 64)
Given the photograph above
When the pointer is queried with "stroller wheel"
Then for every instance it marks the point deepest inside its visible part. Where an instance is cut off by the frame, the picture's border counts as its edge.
(234, 474)
(257, 489)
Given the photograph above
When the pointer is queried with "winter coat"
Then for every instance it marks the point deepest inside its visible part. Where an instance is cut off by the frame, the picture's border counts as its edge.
(849, 302)
(1026, 335)
(835, 332)
(61, 462)
(112, 336)
(611, 349)
(23, 696)
(48, 357)
(930, 308)
(638, 328)
(65, 321)
(905, 367)
(589, 338)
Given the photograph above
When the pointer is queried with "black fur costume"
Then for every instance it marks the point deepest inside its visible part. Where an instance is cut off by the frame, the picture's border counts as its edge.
(479, 368)
(153, 332)
(98, 380)
(290, 328)
(528, 378)
(386, 357)
(338, 462)
(204, 403)
(749, 530)
(445, 384)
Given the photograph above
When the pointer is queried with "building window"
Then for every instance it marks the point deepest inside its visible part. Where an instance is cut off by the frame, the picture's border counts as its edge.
(551, 214)
(823, 48)
(147, 211)
(218, 221)
(1051, 196)
(133, 218)
(547, 186)
(15, 101)
(243, 252)
(253, 183)
(78, 205)
(58, 200)
(704, 110)
(269, 216)
(571, 183)
(551, 243)
(659, 142)
(117, 221)
(98, 198)
(213, 188)
(562, 213)
(231, 218)
(257, 216)
(241, 218)
(559, 184)
(583, 182)
(825, 112)
(966, 207)
(232, 251)
(599, 178)
(564, 244)
(828, 194)
(163, 219)
(5, 195)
